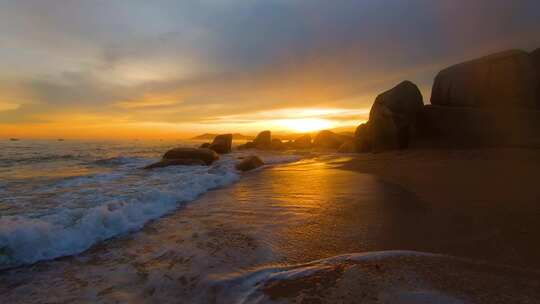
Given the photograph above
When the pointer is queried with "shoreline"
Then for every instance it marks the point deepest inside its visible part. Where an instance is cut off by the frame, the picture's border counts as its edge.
(290, 214)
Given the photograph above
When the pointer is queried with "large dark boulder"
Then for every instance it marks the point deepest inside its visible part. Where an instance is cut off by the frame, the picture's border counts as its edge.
(176, 162)
(363, 138)
(302, 142)
(506, 79)
(392, 117)
(263, 140)
(186, 157)
(328, 140)
(222, 144)
(249, 163)
(206, 155)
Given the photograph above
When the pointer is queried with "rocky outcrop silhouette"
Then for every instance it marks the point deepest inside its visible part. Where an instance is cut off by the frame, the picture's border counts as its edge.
(186, 157)
(328, 140)
(492, 101)
(249, 163)
(391, 119)
(263, 140)
(222, 144)
(302, 142)
(506, 79)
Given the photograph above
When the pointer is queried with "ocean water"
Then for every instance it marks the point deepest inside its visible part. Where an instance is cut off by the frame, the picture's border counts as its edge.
(59, 198)
(286, 233)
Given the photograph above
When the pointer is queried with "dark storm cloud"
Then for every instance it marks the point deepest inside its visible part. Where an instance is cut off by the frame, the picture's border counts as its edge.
(212, 58)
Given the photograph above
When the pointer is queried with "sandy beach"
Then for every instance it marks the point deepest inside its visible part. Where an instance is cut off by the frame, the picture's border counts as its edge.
(244, 242)
(250, 152)
(483, 203)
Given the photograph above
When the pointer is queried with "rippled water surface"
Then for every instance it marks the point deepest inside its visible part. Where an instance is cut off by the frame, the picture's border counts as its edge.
(129, 236)
(61, 197)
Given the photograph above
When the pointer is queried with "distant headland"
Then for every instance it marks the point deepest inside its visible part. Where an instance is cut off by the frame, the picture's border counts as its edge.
(210, 136)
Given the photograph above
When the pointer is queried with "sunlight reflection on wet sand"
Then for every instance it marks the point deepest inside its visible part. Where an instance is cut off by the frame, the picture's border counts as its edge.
(285, 214)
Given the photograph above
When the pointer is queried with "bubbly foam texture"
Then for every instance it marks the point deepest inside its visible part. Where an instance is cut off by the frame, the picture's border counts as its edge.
(70, 215)
(103, 206)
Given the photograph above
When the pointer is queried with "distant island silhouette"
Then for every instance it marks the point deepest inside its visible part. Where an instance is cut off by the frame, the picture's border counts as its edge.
(209, 136)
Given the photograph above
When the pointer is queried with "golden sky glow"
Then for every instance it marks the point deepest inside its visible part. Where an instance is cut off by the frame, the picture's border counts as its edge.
(174, 69)
(305, 124)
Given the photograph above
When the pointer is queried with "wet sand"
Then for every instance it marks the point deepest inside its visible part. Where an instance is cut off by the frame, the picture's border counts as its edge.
(483, 204)
(282, 215)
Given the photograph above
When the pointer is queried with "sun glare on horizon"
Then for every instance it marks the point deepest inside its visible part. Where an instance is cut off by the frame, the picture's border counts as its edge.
(305, 124)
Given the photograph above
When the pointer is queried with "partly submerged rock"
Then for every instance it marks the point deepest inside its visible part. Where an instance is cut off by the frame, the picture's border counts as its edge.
(176, 162)
(222, 144)
(277, 145)
(302, 142)
(328, 140)
(206, 155)
(263, 140)
(392, 117)
(249, 163)
(506, 79)
(248, 145)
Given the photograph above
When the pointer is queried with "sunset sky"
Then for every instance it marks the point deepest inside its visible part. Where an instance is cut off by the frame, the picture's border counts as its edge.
(143, 69)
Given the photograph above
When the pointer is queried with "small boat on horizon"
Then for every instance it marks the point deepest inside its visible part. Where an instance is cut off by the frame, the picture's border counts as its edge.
(14, 139)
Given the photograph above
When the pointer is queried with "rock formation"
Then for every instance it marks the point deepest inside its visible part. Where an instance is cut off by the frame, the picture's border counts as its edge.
(186, 157)
(302, 142)
(249, 163)
(206, 155)
(362, 138)
(222, 143)
(491, 101)
(328, 140)
(391, 119)
(506, 79)
(176, 162)
(248, 145)
(393, 115)
(263, 140)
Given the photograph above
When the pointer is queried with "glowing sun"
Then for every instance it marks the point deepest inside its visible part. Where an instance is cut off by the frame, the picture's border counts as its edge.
(305, 124)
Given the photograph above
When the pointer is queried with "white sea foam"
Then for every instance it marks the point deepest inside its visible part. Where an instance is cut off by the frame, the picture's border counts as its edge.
(72, 230)
(248, 287)
(78, 212)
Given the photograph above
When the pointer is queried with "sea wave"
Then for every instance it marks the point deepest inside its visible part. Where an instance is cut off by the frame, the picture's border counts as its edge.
(10, 161)
(74, 228)
(117, 161)
(92, 208)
